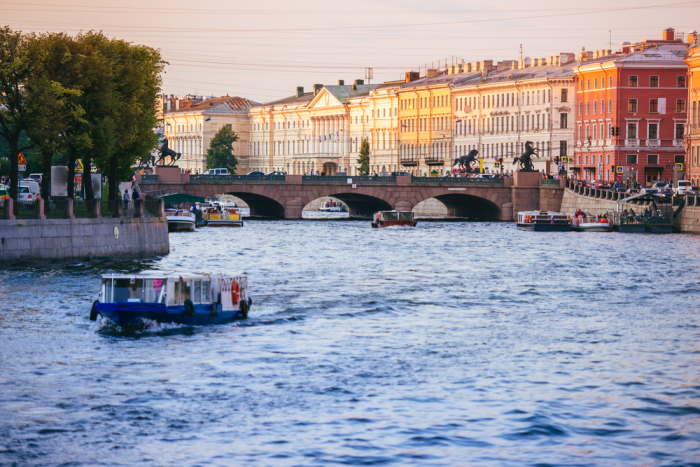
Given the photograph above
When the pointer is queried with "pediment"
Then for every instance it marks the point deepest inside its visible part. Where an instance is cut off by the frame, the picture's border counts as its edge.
(324, 99)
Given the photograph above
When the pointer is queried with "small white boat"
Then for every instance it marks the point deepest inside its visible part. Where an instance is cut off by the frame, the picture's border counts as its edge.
(180, 220)
(224, 204)
(591, 224)
(331, 206)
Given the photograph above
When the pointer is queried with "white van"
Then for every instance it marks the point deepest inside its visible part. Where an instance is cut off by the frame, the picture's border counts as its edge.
(33, 186)
(683, 187)
(217, 172)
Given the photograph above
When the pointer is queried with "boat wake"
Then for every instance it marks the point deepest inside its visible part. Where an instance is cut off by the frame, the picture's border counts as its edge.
(138, 327)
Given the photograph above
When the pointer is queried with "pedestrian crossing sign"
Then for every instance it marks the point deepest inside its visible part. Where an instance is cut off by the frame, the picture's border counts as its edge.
(79, 165)
(496, 165)
(679, 166)
(619, 169)
(21, 159)
(565, 160)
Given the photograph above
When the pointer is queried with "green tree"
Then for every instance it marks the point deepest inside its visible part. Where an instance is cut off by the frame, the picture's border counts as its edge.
(364, 158)
(220, 152)
(17, 63)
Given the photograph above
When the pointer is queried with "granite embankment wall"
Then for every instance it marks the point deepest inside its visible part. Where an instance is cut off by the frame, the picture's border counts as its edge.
(571, 202)
(32, 239)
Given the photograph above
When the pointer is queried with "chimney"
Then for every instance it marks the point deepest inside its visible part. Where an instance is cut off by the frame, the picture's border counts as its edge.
(300, 91)
(626, 47)
(467, 67)
(692, 37)
(317, 88)
(669, 34)
(177, 104)
(411, 76)
(354, 87)
(458, 69)
(475, 66)
(487, 64)
(484, 72)
(359, 82)
(449, 70)
(341, 82)
(432, 73)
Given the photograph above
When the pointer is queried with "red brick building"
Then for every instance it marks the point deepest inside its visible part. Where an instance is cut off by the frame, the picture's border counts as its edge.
(631, 111)
(692, 133)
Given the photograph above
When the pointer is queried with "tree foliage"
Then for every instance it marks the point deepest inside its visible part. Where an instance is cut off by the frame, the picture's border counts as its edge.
(85, 97)
(220, 152)
(364, 158)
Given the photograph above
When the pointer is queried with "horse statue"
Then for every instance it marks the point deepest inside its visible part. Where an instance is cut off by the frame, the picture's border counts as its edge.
(165, 151)
(465, 162)
(524, 159)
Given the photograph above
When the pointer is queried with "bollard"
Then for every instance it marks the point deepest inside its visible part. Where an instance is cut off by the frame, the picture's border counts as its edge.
(161, 209)
(10, 209)
(39, 209)
(94, 209)
(138, 208)
(118, 211)
(69, 209)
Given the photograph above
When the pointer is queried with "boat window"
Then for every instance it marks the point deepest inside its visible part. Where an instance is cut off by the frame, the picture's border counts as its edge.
(108, 291)
(407, 216)
(152, 290)
(196, 298)
(128, 290)
(185, 293)
(205, 292)
(174, 299)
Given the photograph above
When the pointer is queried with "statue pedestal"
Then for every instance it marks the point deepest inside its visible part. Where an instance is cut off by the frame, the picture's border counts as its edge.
(527, 179)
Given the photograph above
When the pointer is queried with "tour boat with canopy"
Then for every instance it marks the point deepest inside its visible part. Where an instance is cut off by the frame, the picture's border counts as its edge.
(658, 217)
(393, 219)
(171, 297)
(180, 220)
(543, 221)
(218, 217)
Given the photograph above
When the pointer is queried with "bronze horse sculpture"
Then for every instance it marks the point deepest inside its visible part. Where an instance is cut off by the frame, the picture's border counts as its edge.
(165, 151)
(524, 159)
(465, 162)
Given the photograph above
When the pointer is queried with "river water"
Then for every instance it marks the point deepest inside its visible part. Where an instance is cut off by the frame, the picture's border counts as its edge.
(469, 344)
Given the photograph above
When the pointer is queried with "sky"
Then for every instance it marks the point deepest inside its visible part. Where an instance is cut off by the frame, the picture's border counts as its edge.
(263, 50)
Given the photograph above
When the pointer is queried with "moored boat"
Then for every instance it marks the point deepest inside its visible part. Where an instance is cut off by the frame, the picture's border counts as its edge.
(543, 221)
(180, 220)
(330, 206)
(223, 217)
(383, 219)
(591, 224)
(171, 297)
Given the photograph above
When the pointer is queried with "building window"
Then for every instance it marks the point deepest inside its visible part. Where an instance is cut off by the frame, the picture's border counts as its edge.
(588, 85)
(565, 95)
(579, 132)
(653, 159)
(653, 106)
(609, 105)
(680, 106)
(654, 81)
(595, 107)
(680, 129)
(680, 82)
(678, 159)
(607, 159)
(588, 108)
(580, 108)
(631, 158)
(653, 131)
(563, 149)
(632, 105)
(632, 82)
(564, 120)
(631, 131)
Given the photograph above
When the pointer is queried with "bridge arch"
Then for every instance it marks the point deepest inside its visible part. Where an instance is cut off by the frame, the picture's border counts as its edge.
(260, 205)
(470, 206)
(361, 205)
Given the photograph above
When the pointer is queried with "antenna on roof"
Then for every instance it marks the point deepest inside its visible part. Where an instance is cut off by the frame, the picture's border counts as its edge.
(369, 74)
(521, 52)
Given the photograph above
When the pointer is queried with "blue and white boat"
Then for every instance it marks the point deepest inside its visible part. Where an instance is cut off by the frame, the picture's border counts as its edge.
(171, 297)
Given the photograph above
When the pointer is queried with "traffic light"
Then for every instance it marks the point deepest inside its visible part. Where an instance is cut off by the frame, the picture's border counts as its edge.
(556, 160)
(612, 131)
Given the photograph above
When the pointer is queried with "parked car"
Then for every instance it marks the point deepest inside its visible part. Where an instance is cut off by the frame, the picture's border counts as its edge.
(659, 185)
(400, 174)
(35, 178)
(633, 191)
(647, 191)
(684, 186)
(666, 193)
(275, 173)
(600, 184)
(254, 175)
(25, 195)
(33, 186)
(484, 176)
(4, 194)
(221, 171)
(621, 190)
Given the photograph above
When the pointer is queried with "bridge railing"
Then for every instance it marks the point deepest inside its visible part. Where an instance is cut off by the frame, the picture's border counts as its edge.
(550, 183)
(344, 179)
(237, 178)
(149, 178)
(456, 181)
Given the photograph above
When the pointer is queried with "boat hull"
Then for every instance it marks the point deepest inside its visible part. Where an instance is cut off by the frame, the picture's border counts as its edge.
(225, 223)
(641, 228)
(329, 209)
(177, 225)
(592, 228)
(545, 227)
(124, 313)
(399, 223)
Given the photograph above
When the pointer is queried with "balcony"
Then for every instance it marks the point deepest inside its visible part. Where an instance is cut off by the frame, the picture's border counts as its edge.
(409, 162)
(631, 142)
(653, 143)
(434, 161)
(678, 142)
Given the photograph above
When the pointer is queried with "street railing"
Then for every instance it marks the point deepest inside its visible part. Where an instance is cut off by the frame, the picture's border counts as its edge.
(24, 210)
(364, 180)
(149, 178)
(56, 208)
(237, 178)
(151, 205)
(457, 181)
(550, 183)
(128, 208)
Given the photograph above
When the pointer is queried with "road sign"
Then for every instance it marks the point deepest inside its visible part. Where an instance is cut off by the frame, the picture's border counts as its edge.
(21, 159)
(565, 160)
(619, 169)
(22, 167)
(354, 186)
(496, 165)
(79, 165)
(678, 166)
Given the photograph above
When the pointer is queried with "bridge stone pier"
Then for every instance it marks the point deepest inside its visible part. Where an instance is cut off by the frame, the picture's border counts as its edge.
(285, 197)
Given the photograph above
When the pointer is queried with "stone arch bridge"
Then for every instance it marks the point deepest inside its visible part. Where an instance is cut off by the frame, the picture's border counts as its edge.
(284, 197)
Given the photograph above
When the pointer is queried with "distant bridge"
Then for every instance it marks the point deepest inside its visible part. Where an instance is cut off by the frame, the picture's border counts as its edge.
(285, 196)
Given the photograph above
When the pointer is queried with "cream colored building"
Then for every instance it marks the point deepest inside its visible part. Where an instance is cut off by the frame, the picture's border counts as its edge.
(501, 108)
(190, 130)
(322, 130)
